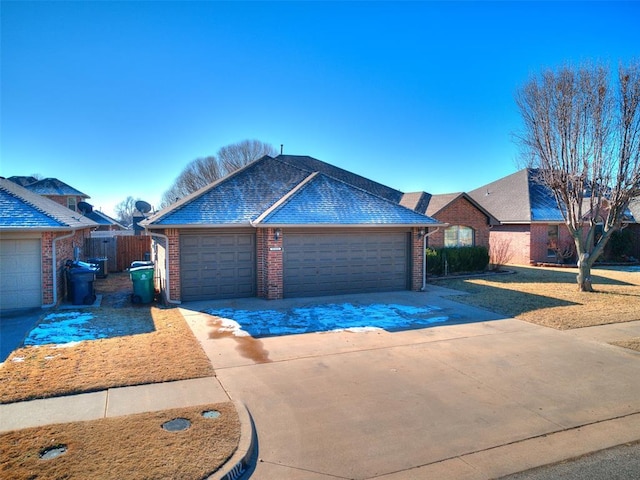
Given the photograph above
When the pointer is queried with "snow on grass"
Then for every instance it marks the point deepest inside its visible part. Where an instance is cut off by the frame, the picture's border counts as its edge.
(327, 317)
(64, 328)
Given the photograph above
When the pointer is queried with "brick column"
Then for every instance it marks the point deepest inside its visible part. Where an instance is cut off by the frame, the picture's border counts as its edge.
(417, 257)
(47, 268)
(269, 263)
(173, 250)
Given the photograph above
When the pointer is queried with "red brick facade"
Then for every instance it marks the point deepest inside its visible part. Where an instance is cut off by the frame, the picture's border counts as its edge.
(461, 212)
(417, 259)
(270, 262)
(270, 266)
(528, 243)
(64, 251)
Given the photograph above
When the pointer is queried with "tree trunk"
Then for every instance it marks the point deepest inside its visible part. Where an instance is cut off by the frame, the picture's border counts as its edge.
(584, 273)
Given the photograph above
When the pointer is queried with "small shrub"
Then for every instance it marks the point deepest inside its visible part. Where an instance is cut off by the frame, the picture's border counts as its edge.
(500, 253)
(456, 260)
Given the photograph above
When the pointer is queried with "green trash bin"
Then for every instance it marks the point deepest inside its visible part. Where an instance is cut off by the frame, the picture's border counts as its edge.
(143, 288)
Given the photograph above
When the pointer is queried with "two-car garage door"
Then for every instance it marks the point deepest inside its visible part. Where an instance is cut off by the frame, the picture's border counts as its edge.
(330, 263)
(315, 262)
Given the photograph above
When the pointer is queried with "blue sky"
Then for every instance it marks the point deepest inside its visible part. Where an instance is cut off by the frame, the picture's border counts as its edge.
(115, 98)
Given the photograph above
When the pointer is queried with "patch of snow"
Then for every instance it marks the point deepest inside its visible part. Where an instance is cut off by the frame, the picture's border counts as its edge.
(328, 317)
(63, 328)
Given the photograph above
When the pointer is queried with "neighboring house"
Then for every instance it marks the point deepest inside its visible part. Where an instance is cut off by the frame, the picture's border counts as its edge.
(469, 223)
(288, 226)
(37, 237)
(104, 221)
(54, 189)
(531, 225)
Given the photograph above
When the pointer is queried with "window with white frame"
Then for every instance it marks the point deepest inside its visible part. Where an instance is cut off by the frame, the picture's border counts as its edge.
(71, 203)
(459, 236)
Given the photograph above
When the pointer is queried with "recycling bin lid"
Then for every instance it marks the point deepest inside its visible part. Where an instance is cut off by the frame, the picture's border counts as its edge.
(141, 263)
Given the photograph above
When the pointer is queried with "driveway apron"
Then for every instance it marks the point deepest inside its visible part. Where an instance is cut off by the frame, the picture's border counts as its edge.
(406, 404)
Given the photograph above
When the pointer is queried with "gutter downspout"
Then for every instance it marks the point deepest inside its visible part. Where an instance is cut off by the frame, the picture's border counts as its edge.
(424, 258)
(55, 267)
(166, 268)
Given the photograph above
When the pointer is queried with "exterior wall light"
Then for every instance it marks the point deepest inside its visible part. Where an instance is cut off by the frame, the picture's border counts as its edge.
(278, 233)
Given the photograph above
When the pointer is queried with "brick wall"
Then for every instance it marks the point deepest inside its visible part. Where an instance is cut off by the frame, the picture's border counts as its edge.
(174, 263)
(464, 213)
(515, 239)
(270, 276)
(64, 251)
(417, 258)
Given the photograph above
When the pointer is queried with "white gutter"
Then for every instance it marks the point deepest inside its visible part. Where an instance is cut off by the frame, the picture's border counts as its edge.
(55, 268)
(424, 259)
(166, 268)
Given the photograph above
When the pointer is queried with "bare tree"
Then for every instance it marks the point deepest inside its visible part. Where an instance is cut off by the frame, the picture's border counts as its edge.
(235, 156)
(124, 210)
(582, 132)
(203, 171)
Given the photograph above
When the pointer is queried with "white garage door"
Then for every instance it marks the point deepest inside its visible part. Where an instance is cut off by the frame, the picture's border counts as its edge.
(20, 273)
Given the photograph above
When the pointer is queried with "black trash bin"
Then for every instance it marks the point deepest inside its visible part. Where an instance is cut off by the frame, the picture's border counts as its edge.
(101, 265)
(80, 280)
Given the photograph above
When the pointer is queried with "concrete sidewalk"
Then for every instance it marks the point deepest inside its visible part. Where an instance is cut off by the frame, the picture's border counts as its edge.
(111, 403)
(465, 401)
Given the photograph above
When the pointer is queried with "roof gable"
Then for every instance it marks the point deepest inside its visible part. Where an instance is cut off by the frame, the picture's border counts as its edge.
(54, 187)
(321, 200)
(22, 209)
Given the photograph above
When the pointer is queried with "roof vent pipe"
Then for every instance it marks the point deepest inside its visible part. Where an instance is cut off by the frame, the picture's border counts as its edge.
(281, 148)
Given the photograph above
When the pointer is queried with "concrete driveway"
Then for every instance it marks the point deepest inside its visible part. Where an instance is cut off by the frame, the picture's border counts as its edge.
(14, 327)
(466, 400)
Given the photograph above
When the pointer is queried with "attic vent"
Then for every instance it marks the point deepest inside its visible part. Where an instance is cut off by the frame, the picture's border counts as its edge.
(488, 192)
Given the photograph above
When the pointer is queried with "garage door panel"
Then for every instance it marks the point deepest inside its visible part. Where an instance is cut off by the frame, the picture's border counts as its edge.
(334, 263)
(217, 265)
(20, 273)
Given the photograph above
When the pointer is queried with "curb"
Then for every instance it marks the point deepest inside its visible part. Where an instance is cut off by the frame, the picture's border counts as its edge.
(237, 465)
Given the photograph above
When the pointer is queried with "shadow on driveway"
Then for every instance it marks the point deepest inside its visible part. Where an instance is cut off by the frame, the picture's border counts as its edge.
(14, 327)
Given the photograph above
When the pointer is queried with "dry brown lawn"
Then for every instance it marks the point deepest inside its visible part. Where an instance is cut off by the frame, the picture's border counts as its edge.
(171, 352)
(549, 296)
(131, 447)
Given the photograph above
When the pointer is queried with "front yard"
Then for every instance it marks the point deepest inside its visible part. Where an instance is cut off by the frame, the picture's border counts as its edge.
(549, 296)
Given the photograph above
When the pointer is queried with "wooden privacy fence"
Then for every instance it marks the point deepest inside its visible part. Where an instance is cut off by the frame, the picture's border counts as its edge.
(120, 250)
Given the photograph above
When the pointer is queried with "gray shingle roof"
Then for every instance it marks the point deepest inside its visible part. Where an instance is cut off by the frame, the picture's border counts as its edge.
(323, 200)
(21, 209)
(53, 186)
(282, 187)
(518, 198)
(417, 201)
(22, 181)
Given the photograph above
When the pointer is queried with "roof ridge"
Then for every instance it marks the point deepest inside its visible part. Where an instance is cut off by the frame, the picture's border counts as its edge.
(285, 198)
(307, 181)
